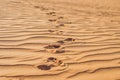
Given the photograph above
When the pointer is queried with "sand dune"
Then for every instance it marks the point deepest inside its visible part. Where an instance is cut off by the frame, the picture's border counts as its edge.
(59, 40)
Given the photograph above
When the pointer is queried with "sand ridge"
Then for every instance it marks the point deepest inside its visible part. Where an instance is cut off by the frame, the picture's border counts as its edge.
(57, 39)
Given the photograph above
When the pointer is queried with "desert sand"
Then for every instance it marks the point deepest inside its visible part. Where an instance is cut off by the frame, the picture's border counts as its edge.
(59, 39)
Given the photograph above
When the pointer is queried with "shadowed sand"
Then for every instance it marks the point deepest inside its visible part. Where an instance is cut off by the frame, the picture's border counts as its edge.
(59, 40)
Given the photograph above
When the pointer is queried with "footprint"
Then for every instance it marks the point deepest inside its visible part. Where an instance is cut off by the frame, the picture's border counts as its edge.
(60, 42)
(65, 40)
(51, 30)
(69, 39)
(44, 67)
(56, 32)
(52, 20)
(59, 32)
(42, 8)
(36, 6)
(50, 62)
(60, 17)
(60, 51)
(53, 46)
(51, 13)
(54, 61)
(61, 24)
(51, 59)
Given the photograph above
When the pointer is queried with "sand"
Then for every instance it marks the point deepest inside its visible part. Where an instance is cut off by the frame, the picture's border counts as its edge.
(59, 40)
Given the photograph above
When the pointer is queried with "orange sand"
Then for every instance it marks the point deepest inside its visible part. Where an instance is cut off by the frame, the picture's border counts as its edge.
(59, 39)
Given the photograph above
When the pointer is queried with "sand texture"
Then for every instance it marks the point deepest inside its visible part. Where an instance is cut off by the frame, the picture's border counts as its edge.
(59, 39)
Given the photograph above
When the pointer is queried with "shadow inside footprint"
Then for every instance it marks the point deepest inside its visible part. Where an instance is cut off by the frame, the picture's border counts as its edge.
(61, 24)
(52, 20)
(60, 51)
(60, 17)
(36, 7)
(61, 42)
(44, 67)
(60, 62)
(69, 39)
(55, 61)
(51, 59)
(51, 30)
(51, 13)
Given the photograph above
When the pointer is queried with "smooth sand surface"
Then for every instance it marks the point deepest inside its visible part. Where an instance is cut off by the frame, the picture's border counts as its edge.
(59, 39)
